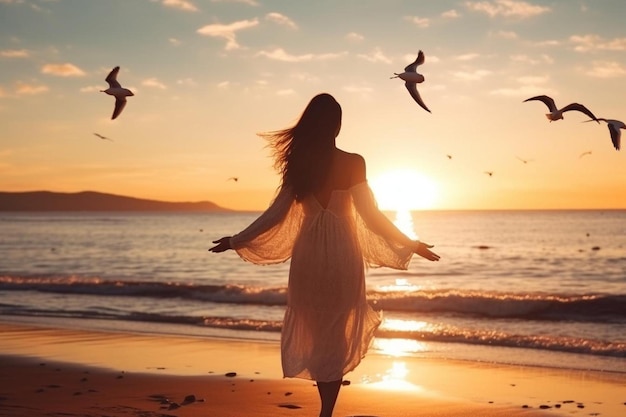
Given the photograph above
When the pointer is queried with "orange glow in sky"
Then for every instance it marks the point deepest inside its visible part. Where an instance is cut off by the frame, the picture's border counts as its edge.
(208, 76)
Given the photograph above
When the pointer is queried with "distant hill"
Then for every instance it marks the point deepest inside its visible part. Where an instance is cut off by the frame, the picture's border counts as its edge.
(93, 201)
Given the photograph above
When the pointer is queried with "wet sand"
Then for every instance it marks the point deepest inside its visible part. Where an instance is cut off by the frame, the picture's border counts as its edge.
(47, 371)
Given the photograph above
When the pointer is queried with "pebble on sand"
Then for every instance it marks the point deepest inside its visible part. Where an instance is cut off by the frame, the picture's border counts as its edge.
(189, 399)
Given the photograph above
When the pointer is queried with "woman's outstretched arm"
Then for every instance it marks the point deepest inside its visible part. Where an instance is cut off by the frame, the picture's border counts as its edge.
(376, 221)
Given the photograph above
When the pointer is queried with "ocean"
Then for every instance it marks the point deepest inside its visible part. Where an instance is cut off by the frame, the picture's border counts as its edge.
(536, 288)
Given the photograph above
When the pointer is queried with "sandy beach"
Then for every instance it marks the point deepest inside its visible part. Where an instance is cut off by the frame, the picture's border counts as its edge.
(47, 371)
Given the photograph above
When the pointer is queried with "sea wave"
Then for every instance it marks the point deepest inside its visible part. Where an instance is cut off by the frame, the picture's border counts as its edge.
(554, 343)
(602, 308)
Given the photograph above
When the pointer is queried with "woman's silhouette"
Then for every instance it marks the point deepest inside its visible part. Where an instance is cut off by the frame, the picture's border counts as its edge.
(326, 220)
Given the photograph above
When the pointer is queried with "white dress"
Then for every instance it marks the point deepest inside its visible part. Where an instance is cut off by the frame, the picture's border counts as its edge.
(328, 324)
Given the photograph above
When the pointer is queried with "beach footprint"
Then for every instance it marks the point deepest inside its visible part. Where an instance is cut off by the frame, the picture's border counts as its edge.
(290, 406)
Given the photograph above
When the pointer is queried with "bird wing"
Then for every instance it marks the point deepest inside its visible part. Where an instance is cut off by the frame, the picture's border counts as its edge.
(598, 119)
(412, 88)
(580, 108)
(548, 101)
(120, 102)
(616, 135)
(418, 61)
(112, 78)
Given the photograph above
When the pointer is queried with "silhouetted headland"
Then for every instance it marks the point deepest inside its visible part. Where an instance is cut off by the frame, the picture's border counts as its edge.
(93, 201)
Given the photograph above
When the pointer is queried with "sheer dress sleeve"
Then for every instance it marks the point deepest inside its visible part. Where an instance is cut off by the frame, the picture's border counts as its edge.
(382, 243)
(270, 238)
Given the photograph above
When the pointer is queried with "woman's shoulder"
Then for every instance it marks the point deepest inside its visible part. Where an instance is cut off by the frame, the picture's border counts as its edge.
(355, 165)
(351, 157)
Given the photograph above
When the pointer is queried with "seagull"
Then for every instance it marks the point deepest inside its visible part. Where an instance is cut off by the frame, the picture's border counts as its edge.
(412, 78)
(103, 137)
(233, 178)
(490, 173)
(614, 129)
(116, 90)
(524, 161)
(584, 153)
(557, 114)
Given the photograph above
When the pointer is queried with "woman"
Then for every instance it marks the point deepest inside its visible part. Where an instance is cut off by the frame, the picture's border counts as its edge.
(326, 220)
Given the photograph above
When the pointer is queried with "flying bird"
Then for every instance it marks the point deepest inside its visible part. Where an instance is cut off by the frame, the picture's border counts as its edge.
(103, 137)
(116, 90)
(490, 173)
(524, 161)
(614, 129)
(584, 154)
(557, 114)
(411, 78)
(233, 179)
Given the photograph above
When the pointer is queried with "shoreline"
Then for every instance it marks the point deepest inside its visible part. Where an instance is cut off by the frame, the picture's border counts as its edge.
(97, 373)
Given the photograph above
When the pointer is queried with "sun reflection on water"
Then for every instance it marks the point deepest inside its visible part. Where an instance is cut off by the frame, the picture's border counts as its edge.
(400, 285)
(399, 347)
(404, 222)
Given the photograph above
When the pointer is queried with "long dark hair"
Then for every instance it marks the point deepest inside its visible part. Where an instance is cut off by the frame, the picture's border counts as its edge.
(303, 153)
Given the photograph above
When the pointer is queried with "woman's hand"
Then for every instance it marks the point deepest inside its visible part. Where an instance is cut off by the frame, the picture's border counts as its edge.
(423, 250)
(223, 244)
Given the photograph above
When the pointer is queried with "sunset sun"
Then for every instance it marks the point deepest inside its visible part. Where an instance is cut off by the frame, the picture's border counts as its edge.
(404, 189)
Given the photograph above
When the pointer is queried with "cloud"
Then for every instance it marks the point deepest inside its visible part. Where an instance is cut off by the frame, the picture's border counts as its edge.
(30, 89)
(606, 69)
(450, 14)
(541, 59)
(15, 53)
(224, 84)
(279, 54)
(375, 56)
(548, 42)
(355, 37)
(91, 89)
(281, 19)
(154, 83)
(467, 57)
(507, 8)
(285, 92)
(421, 22)
(584, 43)
(190, 82)
(181, 4)
(475, 75)
(529, 85)
(174, 41)
(228, 31)
(63, 70)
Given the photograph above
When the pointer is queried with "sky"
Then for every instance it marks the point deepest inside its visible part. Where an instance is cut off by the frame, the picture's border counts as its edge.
(208, 75)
